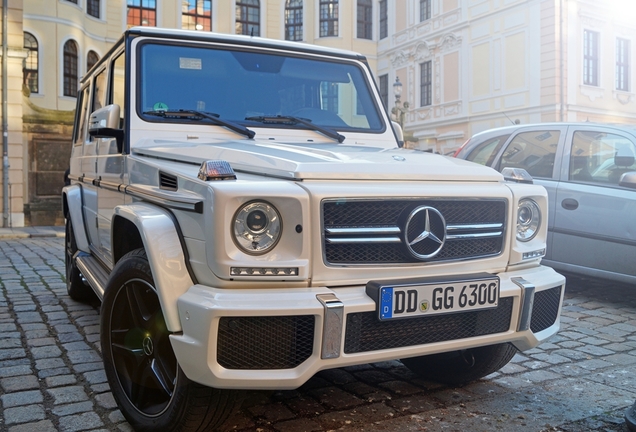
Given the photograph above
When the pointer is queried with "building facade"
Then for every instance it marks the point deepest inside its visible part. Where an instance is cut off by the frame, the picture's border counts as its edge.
(463, 66)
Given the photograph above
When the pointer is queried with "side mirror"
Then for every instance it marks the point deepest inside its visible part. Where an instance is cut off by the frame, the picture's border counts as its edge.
(628, 180)
(104, 123)
(397, 129)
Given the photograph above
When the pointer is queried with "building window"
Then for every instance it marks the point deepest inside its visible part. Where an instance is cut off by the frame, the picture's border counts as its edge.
(142, 13)
(294, 20)
(365, 19)
(426, 83)
(72, 1)
(91, 59)
(622, 64)
(328, 18)
(196, 15)
(30, 65)
(590, 57)
(70, 68)
(92, 8)
(248, 17)
(384, 20)
(384, 90)
(425, 10)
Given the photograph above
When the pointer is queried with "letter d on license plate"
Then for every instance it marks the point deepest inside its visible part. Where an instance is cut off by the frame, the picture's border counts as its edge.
(416, 298)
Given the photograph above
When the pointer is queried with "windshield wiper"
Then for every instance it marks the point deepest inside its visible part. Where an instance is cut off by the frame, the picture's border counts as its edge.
(198, 115)
(282, 119)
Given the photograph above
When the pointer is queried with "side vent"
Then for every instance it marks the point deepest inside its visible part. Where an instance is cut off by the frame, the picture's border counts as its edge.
(167, 181)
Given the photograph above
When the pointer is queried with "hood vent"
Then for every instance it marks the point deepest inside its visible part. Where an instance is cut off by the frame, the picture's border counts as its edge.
(167, 181)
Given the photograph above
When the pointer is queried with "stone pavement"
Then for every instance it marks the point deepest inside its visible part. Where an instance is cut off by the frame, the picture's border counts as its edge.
(51, 375)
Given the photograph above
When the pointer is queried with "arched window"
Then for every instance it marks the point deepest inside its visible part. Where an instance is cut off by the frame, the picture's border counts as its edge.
(91, 59)
(328, 18)
(196, 15)
(92, 8)
(365, 19)
(30, 68)
(248, 17)
(70, 68)
(141, 12)
(294, 20)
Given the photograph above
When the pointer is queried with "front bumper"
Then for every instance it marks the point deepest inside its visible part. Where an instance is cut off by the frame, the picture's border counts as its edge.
(279, 338)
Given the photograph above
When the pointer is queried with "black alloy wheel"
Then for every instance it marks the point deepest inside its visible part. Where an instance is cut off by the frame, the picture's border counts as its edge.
(150, 388)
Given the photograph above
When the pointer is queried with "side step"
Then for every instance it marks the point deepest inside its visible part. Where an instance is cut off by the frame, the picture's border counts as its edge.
(93, 271)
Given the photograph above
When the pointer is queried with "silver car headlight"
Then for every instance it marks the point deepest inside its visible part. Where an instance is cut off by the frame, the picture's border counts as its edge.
(528, 220)
(257, 227)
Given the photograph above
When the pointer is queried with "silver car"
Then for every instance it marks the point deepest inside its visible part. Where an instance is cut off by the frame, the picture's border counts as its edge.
(589, 171)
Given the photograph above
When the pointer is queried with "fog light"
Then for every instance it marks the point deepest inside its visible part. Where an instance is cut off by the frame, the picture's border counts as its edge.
(533, 254)
(264, 271)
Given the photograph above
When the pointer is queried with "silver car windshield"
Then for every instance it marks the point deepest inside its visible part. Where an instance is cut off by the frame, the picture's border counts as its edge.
(243, 87)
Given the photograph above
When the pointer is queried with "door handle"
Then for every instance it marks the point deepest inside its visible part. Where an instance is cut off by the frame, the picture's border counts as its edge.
(570, 204)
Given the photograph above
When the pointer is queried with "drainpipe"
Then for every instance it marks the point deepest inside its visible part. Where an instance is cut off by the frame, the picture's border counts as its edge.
(5, 125)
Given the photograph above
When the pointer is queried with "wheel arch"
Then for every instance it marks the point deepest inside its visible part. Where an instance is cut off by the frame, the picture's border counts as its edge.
(143, 225)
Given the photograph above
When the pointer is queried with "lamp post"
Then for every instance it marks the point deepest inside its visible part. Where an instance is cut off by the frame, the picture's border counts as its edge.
(400, 108)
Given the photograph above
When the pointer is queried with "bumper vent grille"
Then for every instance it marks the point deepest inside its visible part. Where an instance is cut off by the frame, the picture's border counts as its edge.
(279, 342)
(366, 333)
(372, 231)
(545, 309)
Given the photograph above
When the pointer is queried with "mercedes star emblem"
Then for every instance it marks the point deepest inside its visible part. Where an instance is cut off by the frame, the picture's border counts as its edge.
(424, 232)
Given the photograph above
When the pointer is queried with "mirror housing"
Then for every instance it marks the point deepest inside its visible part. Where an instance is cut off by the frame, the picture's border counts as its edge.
(628, 180)
(104, 123)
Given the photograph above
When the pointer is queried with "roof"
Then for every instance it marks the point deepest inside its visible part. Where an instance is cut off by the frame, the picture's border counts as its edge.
(242, 40)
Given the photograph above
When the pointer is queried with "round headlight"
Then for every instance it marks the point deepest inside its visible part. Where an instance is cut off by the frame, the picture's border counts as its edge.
(528, 220)
(257, 227)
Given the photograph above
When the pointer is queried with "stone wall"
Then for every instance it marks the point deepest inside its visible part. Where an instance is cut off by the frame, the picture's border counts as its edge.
(47, 133)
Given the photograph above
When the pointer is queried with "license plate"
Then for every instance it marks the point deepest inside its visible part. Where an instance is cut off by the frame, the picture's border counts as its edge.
(417, 299)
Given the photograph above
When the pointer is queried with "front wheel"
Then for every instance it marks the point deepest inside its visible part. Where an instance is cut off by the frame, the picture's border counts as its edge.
(150, 388)
(459, 367)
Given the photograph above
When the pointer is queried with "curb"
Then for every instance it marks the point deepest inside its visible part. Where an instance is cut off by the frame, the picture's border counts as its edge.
(31, 232)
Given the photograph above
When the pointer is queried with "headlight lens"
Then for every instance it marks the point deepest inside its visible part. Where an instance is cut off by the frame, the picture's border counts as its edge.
(257, 227)
(528, 220)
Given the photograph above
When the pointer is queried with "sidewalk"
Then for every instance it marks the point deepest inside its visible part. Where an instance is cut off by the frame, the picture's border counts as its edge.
(31, 232)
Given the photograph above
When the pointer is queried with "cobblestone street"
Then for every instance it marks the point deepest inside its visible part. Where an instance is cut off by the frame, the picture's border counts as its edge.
(51, 374)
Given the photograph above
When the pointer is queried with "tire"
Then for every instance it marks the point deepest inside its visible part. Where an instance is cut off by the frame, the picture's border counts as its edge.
(460, 367)
(150, 388)
(75, 286)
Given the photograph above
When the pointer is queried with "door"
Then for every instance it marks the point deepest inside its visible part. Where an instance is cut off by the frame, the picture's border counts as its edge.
(594, 228)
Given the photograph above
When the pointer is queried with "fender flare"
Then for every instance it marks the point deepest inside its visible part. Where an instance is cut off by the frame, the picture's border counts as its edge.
(166, 257)
(72, 202)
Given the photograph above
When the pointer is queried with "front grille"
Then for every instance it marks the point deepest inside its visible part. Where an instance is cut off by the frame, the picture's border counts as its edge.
(365, 332)
(372, 231)
(545, 309)
(278, 342)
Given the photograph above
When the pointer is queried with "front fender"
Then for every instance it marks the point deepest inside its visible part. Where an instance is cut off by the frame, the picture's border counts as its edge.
(72, 196)
(160, 238)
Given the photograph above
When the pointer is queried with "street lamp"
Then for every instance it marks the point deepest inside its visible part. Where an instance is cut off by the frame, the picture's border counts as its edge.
(400, 108)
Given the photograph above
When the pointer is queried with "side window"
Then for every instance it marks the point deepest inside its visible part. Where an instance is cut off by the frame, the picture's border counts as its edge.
(81, 116)
(118, 86)
(600, 157)
(533, 151)
(485, 152)
(99, 93)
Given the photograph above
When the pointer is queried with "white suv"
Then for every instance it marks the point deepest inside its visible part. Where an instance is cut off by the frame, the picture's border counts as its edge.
(243, 210)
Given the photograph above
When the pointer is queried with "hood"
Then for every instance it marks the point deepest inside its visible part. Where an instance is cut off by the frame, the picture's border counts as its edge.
(320, 161)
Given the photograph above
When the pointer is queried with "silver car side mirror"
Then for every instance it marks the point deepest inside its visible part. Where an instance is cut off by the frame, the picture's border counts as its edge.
(628, 180)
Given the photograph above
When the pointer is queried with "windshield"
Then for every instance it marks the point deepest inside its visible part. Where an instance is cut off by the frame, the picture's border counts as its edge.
(240, 86)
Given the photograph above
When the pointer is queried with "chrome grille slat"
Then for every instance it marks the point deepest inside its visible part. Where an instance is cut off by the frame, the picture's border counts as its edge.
(370, 232)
